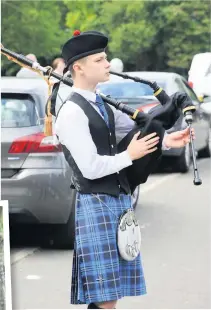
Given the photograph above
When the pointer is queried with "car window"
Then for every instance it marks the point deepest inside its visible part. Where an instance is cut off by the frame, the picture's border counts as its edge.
(127, 89)
(17, 111)
(184, 87)
(190, 92)
(180, 85)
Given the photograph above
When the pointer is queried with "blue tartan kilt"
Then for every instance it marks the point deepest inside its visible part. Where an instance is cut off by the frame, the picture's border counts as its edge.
(99, 273)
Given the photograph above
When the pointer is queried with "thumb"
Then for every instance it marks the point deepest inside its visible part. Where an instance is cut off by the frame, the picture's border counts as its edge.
(186, 130)
(136, 135)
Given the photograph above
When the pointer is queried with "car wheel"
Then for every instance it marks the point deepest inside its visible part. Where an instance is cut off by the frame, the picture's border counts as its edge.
(135, 197)
(206, 152)
(64, 234)
(184, 161)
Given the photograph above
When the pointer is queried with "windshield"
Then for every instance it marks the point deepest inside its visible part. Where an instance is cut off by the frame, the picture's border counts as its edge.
(127, 89)
(17, 111)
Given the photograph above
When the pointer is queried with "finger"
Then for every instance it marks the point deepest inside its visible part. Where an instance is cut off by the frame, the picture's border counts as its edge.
(136, 135)
(185, 132)
(152, 140)
(186, 141)
(151, 150)
(192, 132)
(151, 135)
(152, 144)
(149, 146)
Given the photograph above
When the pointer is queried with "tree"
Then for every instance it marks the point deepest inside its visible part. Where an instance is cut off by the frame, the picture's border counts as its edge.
(147, 35)
(32, 27)
(187, 30)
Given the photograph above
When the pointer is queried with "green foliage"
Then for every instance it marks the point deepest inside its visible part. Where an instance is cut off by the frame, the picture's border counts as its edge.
(31, 27)
(190, 22)
(146, 35)
(81, 15)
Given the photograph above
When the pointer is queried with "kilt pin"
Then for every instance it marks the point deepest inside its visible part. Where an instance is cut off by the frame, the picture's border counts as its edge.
(99, 273)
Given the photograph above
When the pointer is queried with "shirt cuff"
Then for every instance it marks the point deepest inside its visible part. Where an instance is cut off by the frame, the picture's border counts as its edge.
(124, 160)
(164, 147)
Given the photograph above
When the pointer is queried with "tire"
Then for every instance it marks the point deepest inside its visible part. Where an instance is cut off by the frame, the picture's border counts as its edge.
(184, 161)
(135, 197)
(64, 234)
(206, 152)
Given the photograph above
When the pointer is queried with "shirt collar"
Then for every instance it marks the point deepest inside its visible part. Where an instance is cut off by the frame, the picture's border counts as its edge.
(87, 94)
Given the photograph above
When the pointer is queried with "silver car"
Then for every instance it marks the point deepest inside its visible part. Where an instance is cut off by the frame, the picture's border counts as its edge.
(35, 176)
(140, 96)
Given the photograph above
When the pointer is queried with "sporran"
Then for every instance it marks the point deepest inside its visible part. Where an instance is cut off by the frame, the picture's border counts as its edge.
(128, 234)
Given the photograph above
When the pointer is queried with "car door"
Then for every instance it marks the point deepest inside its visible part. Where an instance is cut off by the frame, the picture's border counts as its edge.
(201, 121)
(196, 120)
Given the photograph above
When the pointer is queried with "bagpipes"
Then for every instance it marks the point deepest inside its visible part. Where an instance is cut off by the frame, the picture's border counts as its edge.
(160, 118)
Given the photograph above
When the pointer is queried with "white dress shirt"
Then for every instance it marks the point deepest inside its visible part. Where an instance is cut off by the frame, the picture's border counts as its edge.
(72, 128)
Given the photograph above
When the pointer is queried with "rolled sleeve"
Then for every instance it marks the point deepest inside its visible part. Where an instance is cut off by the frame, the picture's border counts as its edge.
(164, 147)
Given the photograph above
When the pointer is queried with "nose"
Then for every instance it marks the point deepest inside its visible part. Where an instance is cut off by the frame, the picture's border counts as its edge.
(108, 65)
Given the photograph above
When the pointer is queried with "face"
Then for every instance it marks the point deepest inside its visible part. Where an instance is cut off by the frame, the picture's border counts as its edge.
(94, 68)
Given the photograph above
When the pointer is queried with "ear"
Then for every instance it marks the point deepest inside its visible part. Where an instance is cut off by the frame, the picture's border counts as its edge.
(77, 66)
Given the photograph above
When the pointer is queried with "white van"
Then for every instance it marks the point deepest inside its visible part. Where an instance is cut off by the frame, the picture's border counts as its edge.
(200, 74)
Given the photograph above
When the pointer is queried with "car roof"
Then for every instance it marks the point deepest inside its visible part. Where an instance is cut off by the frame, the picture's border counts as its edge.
(23, 85)
(147, 75)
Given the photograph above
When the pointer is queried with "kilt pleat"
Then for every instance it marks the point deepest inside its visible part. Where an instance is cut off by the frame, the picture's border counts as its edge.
(99, 273)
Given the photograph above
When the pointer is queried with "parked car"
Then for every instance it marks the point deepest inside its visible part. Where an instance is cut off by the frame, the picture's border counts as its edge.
(206, 106)
(199, 75)
(35, 176)
(140, 96)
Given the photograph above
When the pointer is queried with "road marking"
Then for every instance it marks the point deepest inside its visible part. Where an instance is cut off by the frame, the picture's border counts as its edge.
(18, 255)
(149, 187)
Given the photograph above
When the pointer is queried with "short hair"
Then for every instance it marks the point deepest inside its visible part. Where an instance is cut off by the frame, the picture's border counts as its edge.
(72, 71)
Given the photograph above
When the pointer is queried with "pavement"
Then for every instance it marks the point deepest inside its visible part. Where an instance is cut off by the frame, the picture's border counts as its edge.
(175, 223)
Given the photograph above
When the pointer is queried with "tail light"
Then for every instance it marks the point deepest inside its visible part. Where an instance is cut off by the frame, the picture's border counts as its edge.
(147, 107)
(190, 84)
(36, 143)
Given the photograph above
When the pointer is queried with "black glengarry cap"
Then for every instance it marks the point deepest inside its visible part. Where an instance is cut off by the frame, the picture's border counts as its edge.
(83, 44)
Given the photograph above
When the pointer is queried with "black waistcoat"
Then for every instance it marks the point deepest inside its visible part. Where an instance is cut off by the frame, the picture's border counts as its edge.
(105, 141)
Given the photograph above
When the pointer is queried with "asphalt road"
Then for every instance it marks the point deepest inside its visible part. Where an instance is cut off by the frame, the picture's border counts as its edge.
(175, 221)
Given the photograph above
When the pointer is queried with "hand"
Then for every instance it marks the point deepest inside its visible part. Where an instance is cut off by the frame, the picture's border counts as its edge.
(179, 138)
(140, 148)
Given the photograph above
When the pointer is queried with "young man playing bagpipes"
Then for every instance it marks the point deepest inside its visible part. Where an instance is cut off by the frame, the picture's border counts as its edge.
(89, 130)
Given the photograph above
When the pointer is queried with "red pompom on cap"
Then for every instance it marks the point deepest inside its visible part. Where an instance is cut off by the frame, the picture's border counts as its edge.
(76, 33)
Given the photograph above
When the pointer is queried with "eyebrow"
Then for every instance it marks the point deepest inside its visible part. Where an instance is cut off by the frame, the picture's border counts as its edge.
(103, 56)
